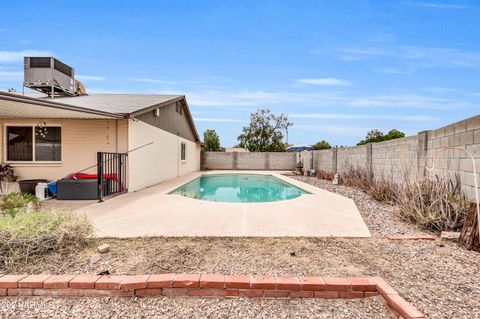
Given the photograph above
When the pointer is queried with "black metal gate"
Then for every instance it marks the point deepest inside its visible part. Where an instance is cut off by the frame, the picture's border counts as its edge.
(112, 174)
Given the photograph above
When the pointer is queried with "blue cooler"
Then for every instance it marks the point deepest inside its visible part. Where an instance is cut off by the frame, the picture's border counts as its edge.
(52, 188)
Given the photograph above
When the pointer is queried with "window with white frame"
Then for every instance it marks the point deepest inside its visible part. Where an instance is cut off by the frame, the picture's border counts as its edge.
(33, 143)
(183, 152)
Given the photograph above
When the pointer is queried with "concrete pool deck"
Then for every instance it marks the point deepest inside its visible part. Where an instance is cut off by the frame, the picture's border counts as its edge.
(154, 212)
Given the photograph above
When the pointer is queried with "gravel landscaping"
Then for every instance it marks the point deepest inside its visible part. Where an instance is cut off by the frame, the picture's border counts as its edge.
(161, 307)
(439, 278)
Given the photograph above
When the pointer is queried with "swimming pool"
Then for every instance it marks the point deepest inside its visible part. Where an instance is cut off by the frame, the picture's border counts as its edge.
(239, 188)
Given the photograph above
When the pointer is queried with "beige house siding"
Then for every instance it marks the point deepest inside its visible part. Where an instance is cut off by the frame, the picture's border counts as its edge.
(192, 164)
(160, 160)
(169, 120)
(81, 140)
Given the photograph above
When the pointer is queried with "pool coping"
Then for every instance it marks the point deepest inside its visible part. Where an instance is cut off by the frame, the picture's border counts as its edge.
(154, 212)
(307, 188)
(275, 176)
(207, 285)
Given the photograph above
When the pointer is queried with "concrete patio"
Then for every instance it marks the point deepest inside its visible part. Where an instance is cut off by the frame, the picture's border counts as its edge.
(154, 212)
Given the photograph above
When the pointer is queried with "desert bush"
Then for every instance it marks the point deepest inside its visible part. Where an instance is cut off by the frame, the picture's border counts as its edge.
(325, 175)
(379, 188)
(26, 236)
(383, 191)
(14, 203)
(435, 204)
(355, 177)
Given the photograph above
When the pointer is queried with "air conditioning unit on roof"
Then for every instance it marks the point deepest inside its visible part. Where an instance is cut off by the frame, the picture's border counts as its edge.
(51, 76)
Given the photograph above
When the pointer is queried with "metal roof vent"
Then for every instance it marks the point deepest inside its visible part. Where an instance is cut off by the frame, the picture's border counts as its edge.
(51, 76)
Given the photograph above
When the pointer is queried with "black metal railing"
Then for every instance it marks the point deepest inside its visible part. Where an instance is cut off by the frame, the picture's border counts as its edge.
(112, 174)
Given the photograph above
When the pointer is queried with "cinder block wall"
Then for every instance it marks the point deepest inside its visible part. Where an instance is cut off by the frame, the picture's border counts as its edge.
(465, 135)
(352, 156)
(217, 160)
(396, 160)
(408, 158)
(249, 161)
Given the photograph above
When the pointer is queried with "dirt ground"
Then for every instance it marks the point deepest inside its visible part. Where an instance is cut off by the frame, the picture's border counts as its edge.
(439, 278)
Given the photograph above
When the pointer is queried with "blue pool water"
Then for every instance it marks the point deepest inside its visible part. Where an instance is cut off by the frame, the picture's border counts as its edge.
(241, 188)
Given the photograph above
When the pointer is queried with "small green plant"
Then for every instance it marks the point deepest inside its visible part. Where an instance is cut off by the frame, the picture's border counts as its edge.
(7, 173)
(28, 236)
(15, 203)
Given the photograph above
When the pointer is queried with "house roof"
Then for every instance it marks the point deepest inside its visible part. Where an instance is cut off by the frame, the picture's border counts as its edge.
(114, 103)
(96, 105)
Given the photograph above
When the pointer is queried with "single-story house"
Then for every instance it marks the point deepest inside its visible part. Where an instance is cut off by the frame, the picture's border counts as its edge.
(50, 138)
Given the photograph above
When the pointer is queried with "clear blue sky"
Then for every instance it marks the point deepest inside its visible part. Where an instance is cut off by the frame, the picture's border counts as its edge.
(337, 68)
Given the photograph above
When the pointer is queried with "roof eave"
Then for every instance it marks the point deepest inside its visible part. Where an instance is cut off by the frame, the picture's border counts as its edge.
(192, 123)
(36, 101)
(165, 103)
(57, 105)
(155, 106)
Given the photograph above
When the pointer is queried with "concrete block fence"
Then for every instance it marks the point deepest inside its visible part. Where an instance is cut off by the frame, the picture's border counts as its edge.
(395, 160)
(206, 285)
(249, 161)
(407, 158)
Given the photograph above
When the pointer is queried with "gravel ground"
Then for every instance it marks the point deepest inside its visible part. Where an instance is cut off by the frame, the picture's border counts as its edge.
(439, 278)
(191, 308)
(379, 217)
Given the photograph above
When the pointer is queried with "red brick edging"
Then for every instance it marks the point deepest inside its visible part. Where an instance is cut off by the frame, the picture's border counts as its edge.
(411, 237)
(206, 285)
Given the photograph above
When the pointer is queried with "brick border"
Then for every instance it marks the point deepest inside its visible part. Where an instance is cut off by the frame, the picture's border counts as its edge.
(411, 237)
(207, 285)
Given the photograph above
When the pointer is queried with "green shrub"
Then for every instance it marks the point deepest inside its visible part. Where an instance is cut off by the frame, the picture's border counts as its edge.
(26, 236)
(15, 203)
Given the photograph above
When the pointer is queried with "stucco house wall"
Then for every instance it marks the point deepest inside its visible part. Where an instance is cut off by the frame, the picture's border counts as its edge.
(159, 158)
(116, 123)
(81, 140)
